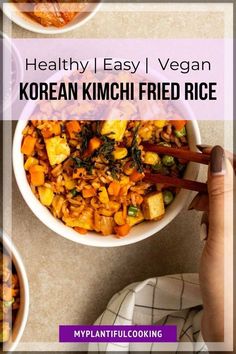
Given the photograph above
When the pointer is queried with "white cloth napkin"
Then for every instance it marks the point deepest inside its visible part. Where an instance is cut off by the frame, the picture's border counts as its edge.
(174, 300)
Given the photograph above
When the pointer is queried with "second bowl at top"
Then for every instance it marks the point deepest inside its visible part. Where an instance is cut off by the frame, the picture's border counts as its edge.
(22, 19)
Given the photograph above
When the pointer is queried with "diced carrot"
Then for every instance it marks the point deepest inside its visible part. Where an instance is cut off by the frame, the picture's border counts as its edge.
(46, 133)
(37, 179)
(122, 230)
(93, 145)
(55, 129)
(114, 188)
(36, 168)
(88, 192)
(28, 145)
(136, 176)
(81, 230)
(73, 127)
(178, 124)
(79, 172)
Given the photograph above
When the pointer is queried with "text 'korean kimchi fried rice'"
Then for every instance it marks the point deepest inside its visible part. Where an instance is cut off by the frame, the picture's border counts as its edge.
(89, 174)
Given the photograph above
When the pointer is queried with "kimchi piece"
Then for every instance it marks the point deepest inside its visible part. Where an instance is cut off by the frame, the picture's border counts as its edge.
(54, 13)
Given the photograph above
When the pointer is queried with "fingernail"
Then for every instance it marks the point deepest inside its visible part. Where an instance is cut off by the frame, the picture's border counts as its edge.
(202, 147)
(217, 161)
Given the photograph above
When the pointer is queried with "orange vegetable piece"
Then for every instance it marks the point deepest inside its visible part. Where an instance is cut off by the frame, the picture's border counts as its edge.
(46, 133)
(88, 192)
(136, 176)
(122, 230)
(28, 145)
(80, 230)
(37, 177)
(55, 129)
(79, 172)
(114, 188)
(94, 144)
(178, 124)
(36, 168)
(73, 127)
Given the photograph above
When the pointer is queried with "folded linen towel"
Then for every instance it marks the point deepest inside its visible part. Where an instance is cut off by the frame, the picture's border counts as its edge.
(174, 300)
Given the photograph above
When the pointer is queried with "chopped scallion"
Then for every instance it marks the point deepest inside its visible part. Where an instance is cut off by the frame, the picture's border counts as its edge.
(132, 211)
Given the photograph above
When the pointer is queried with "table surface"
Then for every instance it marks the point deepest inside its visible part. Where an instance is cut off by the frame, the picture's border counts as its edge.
(71, 283)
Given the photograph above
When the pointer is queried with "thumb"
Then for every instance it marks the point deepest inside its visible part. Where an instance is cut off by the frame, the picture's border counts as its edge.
(220, 190)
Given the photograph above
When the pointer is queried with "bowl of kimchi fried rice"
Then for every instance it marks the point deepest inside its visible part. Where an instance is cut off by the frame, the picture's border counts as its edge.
(50, 17)
(84, 179)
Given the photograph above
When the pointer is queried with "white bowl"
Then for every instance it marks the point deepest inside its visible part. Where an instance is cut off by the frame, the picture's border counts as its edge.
(25, 21)
(10, 80)
(22, 315)
(137, 233)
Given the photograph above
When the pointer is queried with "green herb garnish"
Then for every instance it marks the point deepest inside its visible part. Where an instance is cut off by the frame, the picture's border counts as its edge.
(85, 135)
(136, 152)
(85, 163)
(107, 148)
(115, 169)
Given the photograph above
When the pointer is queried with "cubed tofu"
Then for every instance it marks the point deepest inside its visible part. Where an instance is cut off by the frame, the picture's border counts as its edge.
(153, 206)
(57, 149)
(160, 123)
(133, 220)
(46, 195)
(114, 129)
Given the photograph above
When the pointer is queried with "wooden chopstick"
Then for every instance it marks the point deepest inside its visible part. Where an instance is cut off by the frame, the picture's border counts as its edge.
(187, 155)
(176, 182)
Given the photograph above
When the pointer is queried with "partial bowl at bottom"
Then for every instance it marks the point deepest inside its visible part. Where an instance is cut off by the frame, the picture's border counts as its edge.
(22, 314)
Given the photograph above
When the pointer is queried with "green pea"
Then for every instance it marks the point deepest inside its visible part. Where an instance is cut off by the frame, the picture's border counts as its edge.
(168, 197)
(157, 167)
(180, 133)
(168, 160)
(74, 192)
